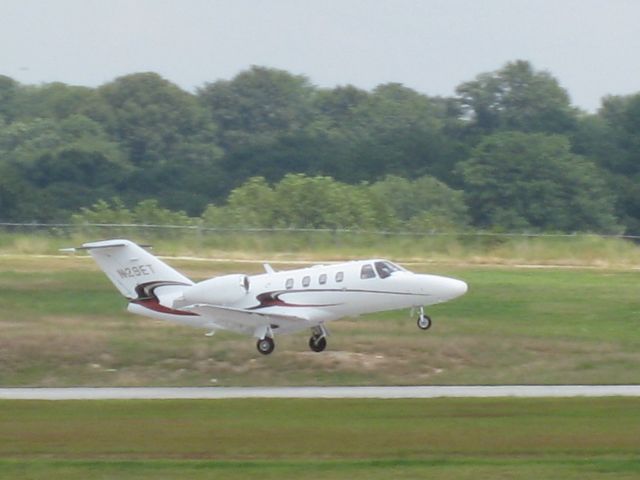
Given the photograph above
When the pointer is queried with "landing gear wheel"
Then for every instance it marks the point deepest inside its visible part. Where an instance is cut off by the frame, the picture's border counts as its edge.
(266, 345)
(317, 344)
(424, 322)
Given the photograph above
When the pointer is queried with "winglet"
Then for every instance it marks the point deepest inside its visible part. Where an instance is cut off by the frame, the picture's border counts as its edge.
(268, 268)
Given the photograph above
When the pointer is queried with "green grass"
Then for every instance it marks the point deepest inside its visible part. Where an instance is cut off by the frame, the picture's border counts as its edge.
(446, 469)
(63, 323)
(446, 438)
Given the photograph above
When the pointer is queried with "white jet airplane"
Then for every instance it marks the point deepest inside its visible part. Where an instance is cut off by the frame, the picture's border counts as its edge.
(272, 302)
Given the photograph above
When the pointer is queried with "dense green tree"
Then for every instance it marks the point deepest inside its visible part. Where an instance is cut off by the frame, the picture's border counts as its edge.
(338, 105)
(261, 114)
(393, 131)
(424, 203)
(517, 97)
(615, 145)
(79, 152)
(300, 201)
(328, 144)
(142, 139)
(151, 117)
(258, 100)
(190, 182)
(8, 93)
(251, 205)
(149, 212)
(104, 212)
(622, 117)
(525, 181)
(363, 137)
(19, 201)
(169, 139)
(71, 163)
(146, 212)
(321, 202)
(54, 100)
(594, 138)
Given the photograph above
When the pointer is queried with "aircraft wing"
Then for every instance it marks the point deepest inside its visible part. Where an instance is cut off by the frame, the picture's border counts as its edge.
(248, 321)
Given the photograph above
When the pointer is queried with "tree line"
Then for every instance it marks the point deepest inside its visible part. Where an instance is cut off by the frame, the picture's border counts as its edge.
(268, 148)
(300, 201)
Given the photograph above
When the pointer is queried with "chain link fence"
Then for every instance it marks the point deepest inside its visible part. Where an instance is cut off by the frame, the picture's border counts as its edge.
(75, 228)
(198, 240)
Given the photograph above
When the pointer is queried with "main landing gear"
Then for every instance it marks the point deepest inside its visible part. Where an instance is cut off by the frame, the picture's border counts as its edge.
(318, 340)
(424, 321)
(266, 345)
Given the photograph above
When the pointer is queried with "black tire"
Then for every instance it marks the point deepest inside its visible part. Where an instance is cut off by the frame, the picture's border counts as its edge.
(424, 322)
(317, 344)
(266, 345)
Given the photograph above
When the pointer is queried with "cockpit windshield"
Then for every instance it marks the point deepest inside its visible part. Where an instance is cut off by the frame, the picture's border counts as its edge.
(385, 269)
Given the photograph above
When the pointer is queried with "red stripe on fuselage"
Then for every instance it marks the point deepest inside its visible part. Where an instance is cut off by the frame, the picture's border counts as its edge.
(154, 304)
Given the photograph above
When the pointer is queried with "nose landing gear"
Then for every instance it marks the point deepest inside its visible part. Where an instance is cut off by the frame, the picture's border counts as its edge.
(424, 321)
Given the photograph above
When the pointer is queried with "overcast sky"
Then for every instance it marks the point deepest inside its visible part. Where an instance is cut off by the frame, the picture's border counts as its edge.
(591, 46)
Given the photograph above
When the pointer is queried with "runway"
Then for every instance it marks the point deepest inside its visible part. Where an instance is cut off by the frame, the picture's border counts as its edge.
(167, 393)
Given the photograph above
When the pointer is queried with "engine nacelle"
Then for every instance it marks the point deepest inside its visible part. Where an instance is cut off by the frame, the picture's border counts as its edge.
(225, 290)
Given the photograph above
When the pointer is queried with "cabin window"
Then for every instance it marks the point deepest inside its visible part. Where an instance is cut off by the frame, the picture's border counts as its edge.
(339, 277)
(289, 284)
(385, 269)
(322, 279)
(306, 281)
(367, 272)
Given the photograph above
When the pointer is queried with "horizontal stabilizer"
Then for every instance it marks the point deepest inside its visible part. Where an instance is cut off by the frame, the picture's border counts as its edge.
(97, 245)
(77, 249)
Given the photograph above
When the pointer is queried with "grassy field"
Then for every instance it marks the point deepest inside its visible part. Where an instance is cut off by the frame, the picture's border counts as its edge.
(62, 323)
(322, 439)
(470, 248)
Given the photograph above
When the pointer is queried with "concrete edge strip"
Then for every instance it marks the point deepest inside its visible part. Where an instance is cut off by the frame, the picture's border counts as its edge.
(167, 393)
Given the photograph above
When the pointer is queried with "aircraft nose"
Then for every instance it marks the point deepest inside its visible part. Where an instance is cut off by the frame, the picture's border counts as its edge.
(442, 289)
(458, 288)
(455, 288)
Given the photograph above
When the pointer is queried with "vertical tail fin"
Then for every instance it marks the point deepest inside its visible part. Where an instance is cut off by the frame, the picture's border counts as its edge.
(130, 266)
